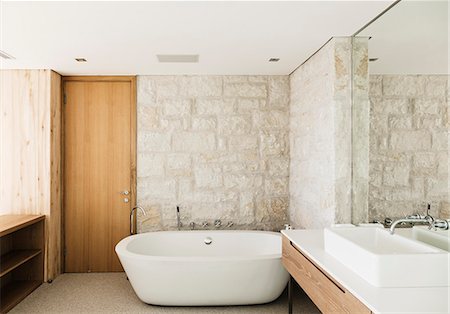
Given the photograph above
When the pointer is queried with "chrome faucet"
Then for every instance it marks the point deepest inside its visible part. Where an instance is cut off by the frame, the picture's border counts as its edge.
(420, 219)
(133, 227)
(427, 220)
(217, 223)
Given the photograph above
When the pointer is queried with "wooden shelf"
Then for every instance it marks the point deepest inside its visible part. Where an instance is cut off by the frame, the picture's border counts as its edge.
(14, 259)
(15, 292)
(21, 257)
(11, 223)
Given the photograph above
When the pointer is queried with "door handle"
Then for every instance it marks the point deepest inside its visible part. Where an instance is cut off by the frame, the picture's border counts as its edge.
(126, 192)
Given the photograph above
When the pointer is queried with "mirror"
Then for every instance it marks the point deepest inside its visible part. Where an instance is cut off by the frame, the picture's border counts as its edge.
(401, 113)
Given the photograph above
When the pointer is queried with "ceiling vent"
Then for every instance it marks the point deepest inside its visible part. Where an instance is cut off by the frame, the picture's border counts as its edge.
(4, 55)
(177, 58)
(274, 59)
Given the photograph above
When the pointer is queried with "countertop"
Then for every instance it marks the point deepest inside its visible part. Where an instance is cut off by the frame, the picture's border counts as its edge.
(378, 300)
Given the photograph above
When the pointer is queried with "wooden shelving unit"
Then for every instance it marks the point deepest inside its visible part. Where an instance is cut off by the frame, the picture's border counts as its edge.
(21, 257)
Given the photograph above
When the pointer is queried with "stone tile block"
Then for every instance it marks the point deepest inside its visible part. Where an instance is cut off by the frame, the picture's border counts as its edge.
(251, 90)
(150, 164)
(243, 182)
(395, 176)
(403, 85)
(440, 140)
(443, 162)
(246, 105)
(235, 124)
(424, 160)
(153, 142)
(436, 85)
(387, 105)
(269, 120)
(278, 167)
(276, 186)
(194, 141)
(200, 86)
(400, 122)
(410, 140)
(175, 107)
(147, 118)
(179, 164)
(166, 86)
(214, 106)
(279, 88)
(204, 123)
(273, 144)
(156, 189)
(243, 142)
(208, 177)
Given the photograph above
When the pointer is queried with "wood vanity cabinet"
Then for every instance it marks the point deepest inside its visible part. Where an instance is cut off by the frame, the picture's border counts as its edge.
(322, 289)
(21, 257)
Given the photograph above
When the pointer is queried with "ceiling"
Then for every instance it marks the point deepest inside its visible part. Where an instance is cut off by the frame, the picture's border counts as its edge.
(125, 37)
(411, 38)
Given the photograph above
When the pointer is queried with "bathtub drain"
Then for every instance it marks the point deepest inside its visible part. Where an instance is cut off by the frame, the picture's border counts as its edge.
(208, 241)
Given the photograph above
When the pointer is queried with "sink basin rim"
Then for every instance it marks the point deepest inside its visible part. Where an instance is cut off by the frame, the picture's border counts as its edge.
(389, 270)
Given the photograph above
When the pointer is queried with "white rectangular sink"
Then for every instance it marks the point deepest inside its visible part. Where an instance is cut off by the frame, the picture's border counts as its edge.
(386, 260)
(437, 238)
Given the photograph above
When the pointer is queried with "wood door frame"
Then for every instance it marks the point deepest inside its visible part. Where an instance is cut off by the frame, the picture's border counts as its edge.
(133, 142)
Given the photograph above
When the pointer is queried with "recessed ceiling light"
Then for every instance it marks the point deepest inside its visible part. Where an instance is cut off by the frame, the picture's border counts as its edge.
(178, 58)
(373, 59)
(4, 55)
(274, 59)
(80, 59)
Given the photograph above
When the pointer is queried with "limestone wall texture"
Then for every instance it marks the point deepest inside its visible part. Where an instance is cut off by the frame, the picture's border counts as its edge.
(217, 146)
(409, 124)
(320, 138)
(360, 130)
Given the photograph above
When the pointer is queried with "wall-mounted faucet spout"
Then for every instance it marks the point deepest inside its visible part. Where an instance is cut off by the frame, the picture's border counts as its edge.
(427, 220)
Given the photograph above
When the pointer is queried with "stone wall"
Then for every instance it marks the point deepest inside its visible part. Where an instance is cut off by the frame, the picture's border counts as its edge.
(217, 146)
(360, 130)
(320, 138)
(409, 126)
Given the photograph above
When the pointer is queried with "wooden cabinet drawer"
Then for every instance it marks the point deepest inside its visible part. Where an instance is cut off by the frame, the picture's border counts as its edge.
(325, 292)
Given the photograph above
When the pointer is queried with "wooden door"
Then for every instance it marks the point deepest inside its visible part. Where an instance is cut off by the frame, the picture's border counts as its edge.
(99, 166)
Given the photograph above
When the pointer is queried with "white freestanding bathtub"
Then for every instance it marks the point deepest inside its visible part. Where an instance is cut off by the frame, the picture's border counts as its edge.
(180, 268)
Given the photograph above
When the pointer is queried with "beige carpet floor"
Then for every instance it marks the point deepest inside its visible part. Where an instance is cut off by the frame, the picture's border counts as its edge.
(112, 293)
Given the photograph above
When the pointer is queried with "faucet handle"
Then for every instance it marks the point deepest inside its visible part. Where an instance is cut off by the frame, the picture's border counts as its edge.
(439, 224)
(415, 216)
(287, 227)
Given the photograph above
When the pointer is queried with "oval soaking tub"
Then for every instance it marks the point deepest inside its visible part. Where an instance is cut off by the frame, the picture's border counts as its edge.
(194, 268)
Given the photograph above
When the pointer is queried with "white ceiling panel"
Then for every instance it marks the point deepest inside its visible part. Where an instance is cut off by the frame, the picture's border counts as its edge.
(126, 37)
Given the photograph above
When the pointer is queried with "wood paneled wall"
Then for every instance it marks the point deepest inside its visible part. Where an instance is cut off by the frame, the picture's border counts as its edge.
(30, 152)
